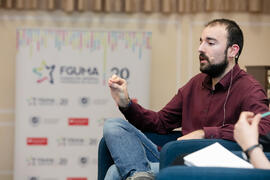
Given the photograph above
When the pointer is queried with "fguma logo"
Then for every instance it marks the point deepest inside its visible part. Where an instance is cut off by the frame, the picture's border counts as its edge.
(44, 73)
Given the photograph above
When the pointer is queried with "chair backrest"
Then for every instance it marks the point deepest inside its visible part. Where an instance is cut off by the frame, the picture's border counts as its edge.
(104, 159)
(162, 139)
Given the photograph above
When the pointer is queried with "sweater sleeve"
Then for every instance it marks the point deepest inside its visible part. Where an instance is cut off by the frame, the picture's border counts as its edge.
(257, 102)
(163, 121)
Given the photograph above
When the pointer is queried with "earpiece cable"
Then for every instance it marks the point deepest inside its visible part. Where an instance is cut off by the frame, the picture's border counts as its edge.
(227, 96)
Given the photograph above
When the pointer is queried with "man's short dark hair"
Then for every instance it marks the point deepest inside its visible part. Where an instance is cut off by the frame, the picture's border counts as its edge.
(235, 34)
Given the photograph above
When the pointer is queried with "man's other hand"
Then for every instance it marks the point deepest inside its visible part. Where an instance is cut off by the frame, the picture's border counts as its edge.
(198, 134)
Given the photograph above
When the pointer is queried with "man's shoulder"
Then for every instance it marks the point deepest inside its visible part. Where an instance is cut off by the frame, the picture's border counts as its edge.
(247, 80)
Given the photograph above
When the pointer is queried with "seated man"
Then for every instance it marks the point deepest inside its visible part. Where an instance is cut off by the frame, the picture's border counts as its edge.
(208, 106)
(247, 136)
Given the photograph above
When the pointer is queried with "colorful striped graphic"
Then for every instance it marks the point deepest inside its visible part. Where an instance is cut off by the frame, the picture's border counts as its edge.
(36, 39)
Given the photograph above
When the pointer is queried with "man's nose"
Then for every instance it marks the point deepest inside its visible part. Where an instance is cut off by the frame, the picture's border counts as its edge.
(201, 48)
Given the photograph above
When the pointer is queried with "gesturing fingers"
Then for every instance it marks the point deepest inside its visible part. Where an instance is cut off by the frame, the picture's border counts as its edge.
(114, 85)
(116, 79)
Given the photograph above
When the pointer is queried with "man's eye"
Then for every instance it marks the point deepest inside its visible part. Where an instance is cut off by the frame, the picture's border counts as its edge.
(211, 43)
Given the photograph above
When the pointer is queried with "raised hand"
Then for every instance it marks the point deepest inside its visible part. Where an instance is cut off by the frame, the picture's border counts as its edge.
(119, 91)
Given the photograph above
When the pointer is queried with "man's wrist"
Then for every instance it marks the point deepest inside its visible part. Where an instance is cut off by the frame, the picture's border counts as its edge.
(127, 104)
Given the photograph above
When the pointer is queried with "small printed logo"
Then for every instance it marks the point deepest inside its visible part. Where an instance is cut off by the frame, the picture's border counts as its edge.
(39, 161)
(44, 73)
(35, 121)
(84, 101)
(47, 101)
(37, 141)
(83, 161)
(46, 161)
(76, 141)
(78, 121)
(69, 141)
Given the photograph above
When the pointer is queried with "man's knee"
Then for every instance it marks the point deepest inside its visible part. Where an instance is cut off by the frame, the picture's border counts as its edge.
(111, 126)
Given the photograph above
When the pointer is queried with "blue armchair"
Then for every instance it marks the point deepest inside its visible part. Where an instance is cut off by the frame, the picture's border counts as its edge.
(212, 173)
(173, 150)
(105, 159)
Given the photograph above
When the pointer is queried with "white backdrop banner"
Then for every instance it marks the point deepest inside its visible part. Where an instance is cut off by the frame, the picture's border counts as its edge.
(62, 97)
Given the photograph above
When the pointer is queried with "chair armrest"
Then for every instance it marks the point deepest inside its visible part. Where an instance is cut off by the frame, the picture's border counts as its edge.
(172, 150)
(212, 173)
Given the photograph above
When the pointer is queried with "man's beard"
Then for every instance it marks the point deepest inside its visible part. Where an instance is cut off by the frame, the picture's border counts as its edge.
(214, 70)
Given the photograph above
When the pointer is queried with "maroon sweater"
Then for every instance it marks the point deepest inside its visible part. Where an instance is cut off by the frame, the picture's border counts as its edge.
(197, 106)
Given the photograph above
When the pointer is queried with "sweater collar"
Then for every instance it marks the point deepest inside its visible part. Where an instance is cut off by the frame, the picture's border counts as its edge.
(225, 81)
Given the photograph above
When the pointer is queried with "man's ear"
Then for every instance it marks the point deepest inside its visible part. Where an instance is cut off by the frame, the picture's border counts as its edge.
(233, 51)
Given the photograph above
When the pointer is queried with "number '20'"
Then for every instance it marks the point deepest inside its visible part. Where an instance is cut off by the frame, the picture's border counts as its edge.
(121, 72)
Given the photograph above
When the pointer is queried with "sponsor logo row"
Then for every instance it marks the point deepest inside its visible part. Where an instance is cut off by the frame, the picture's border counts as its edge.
(62, 141)
(72, 121)
(36, 121)
(64, 102)
(41, 161)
